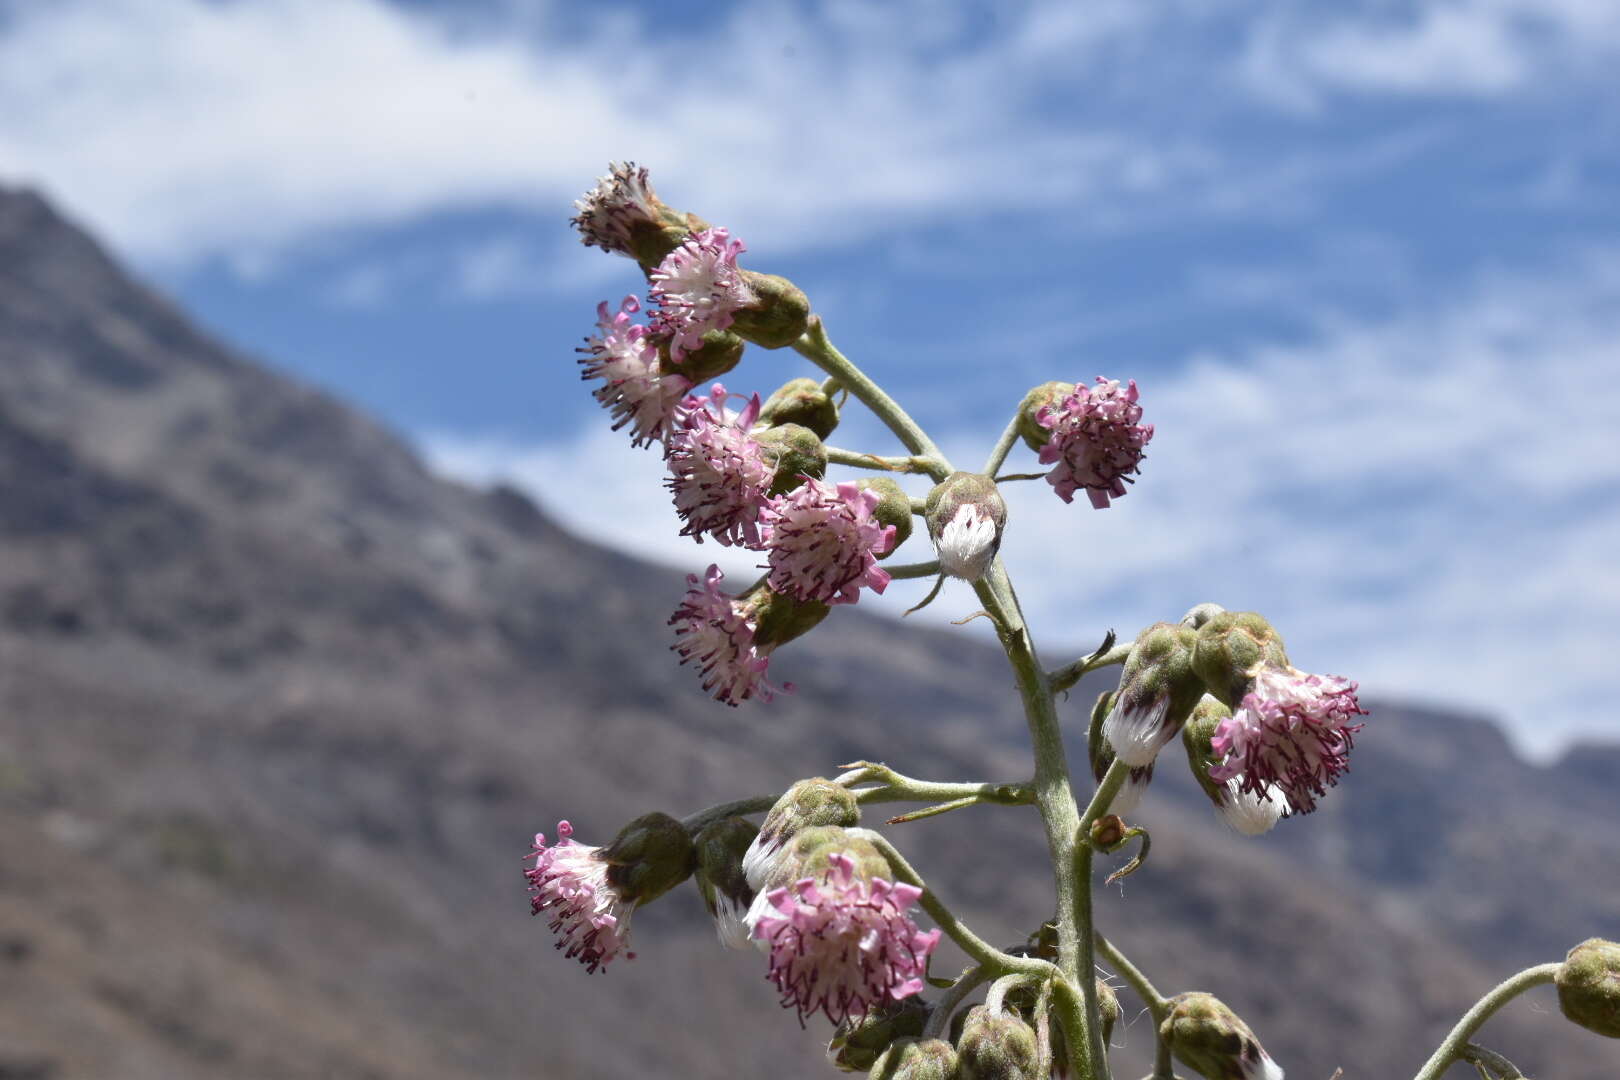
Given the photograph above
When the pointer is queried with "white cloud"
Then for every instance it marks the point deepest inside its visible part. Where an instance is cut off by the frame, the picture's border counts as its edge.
(183, 128)
(1448, 48)
(1429, 503)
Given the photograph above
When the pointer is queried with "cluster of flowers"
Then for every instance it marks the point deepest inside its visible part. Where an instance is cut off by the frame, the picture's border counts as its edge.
(737, 480)
(1263, 738)
(809, 890)
(730, 480)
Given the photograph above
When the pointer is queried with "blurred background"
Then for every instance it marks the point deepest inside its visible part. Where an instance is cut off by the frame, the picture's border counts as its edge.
(323, 583)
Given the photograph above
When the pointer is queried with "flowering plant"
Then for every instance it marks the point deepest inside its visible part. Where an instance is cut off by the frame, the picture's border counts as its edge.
(830, 904)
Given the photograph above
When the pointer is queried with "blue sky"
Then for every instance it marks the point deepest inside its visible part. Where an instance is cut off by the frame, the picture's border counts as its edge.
(1362, 258)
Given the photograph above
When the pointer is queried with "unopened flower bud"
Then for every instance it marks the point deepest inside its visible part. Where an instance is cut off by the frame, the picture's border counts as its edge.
(1107, 831)
(778, 315)
(1034, 433)
(1589, 986)
(649, 857)
(717, 352)
(1157, 691)
(1129, 796)
(1108, 1006)
(966, 516)
(893, 508)
(1231, 647)
(1247, 812)
(720, 878)
(997, 1046)
(859, 1042)
(1210, 1039)
(793, 452)
(779, 618)
(917, 1059)
(807, 804)
(803, 402)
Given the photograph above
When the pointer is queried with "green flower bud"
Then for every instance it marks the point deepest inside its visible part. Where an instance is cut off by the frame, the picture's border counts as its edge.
(917, 1059)
(966, 516)
(779, 618)
(859, 1041)
(1034, 435)
(720, 352)
(1233, 646)
(1210, 1039)
(795, 452)
(802, 402)
(1589, 986)
(809, 804)
(893, 508)
(720, 878)
(1157, 691)
(649, 857)
(1108, 1005)
(779, 315)
(997, 1046)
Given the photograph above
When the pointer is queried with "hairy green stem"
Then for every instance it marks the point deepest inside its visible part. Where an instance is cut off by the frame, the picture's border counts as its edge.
(736, 808)
(1157, 1004)
(1003, 447)
(988, 956)
(858, 460)
(1055, 798)
(893, 787)
(939, 1020)
(913, 570)
(816, 348)
(1451, 1049)
(1069, 674)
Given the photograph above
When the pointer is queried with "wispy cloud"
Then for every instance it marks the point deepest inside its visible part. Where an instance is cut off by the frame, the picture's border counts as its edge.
(184, 128)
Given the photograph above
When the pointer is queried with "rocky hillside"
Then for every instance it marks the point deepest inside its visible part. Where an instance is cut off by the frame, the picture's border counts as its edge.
(279, 711)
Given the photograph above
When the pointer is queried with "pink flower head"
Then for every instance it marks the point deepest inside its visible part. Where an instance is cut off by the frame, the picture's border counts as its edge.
(621, 199)
(1096, 442)
(589, 917)
(844, 945)
(824, 542)
(721, 477)
(1292, 731)
(698, 288)
(636, 390)
(715, 631)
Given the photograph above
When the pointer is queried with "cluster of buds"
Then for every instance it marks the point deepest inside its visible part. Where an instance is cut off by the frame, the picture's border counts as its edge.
(1262, 738)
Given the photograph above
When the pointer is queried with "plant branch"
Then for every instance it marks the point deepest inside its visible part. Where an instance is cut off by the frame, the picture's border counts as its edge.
(815, 347)
(1451, 1049)
(913, 570)
(736, 808)
(858, 460)
(1066, 676)
(1003, 446)
(1156, 1002)
(939, 1020)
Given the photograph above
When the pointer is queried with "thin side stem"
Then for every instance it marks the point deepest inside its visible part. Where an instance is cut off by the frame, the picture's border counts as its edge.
(815, 347)
(1066, 676)
(913, 570)
(1003, 447)
(939, 1020)
(1451, 1049)
(988, 956)
(858, 460)
(736, 808)
(893, 787)
(1157, 1004)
